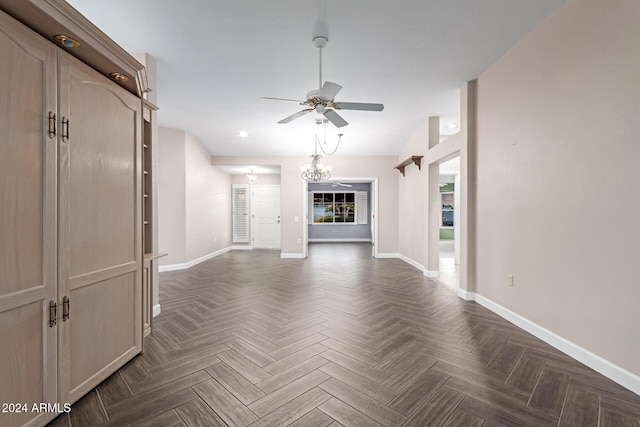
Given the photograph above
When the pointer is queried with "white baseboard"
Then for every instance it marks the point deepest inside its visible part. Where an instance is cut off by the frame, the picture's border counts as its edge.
(242, 248)
(296, 256)
(345, 240)
(387, 255)
(404, 258)
(467, 296)
(608, 369)
(411, 262)
(156, 310)
(174, 267)
(432, 274)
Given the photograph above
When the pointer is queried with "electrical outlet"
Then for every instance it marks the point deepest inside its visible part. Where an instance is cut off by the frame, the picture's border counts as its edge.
(299, 241)
(510, 280)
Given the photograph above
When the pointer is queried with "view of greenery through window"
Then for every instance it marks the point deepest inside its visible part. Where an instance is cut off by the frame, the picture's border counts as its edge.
(334, 208)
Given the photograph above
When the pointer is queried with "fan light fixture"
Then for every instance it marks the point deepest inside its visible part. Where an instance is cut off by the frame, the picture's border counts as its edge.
(252, 176)
(322, 100)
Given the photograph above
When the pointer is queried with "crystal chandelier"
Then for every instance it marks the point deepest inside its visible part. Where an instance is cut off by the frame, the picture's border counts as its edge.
(316, 171)
(252, 176)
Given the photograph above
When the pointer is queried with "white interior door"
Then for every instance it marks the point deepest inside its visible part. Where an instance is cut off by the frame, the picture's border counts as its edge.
(265, 206)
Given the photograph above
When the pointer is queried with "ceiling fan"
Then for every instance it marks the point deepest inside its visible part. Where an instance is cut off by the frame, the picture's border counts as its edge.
(322, 100)
(336, 184)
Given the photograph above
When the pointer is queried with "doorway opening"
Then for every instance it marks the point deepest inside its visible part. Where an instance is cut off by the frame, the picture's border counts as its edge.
(341, 211)
(449, 222)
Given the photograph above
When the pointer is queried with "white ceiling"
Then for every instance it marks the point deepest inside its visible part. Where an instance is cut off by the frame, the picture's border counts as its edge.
(217, 57)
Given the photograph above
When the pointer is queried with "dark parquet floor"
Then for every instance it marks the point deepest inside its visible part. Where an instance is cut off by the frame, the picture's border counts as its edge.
(249, 339)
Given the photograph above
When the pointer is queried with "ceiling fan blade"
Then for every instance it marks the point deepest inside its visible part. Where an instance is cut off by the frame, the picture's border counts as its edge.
(329, 91)
(336, 184)
(357, 106)
(335, 118)
(281, 99)
(295, 116)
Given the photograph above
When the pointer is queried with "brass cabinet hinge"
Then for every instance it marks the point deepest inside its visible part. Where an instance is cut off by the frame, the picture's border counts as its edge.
(53, 311)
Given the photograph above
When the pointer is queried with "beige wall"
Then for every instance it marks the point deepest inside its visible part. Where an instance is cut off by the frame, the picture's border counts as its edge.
(293, 199)
(412, 193)
(208, 200)
(558, 178)
(194, 200)
(413, 190)
(172, 209)
(551, 186)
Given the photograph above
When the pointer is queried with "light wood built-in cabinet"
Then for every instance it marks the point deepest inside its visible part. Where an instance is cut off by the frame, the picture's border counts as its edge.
(72, 305)
(149, 236)
(28, 220)
(99, 240)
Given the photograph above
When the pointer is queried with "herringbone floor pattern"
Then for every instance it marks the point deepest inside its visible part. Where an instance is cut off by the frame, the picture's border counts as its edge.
(340, 339)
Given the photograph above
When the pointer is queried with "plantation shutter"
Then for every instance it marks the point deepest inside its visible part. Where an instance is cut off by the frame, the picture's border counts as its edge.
(362, 208)
(310, 210)
(240, 213)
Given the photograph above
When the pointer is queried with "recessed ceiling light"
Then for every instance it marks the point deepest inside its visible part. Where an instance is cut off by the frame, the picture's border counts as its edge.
(119, 77)
(67, 41)
(243, 134)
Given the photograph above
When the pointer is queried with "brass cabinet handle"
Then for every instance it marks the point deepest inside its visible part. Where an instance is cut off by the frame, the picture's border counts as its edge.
(65, 129)
(53, 313)
(65, 308)
(52, 125)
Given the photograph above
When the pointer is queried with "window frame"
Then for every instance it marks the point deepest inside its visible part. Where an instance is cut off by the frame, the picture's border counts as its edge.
(313, 203)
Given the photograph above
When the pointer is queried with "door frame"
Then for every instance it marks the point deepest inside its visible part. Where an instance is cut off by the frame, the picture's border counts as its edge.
(373, 213)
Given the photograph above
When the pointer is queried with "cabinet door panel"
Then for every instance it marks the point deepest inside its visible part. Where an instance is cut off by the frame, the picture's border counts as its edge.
(102, 329)
(100, 227)
(22, 360)
(27, 221)
(102, 179)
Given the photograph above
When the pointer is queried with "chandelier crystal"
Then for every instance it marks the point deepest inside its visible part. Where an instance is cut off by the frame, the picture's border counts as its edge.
(316, 171)
(252, 176)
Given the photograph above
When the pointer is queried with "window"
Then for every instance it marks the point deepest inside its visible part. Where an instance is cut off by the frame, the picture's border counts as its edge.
(338, 208)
